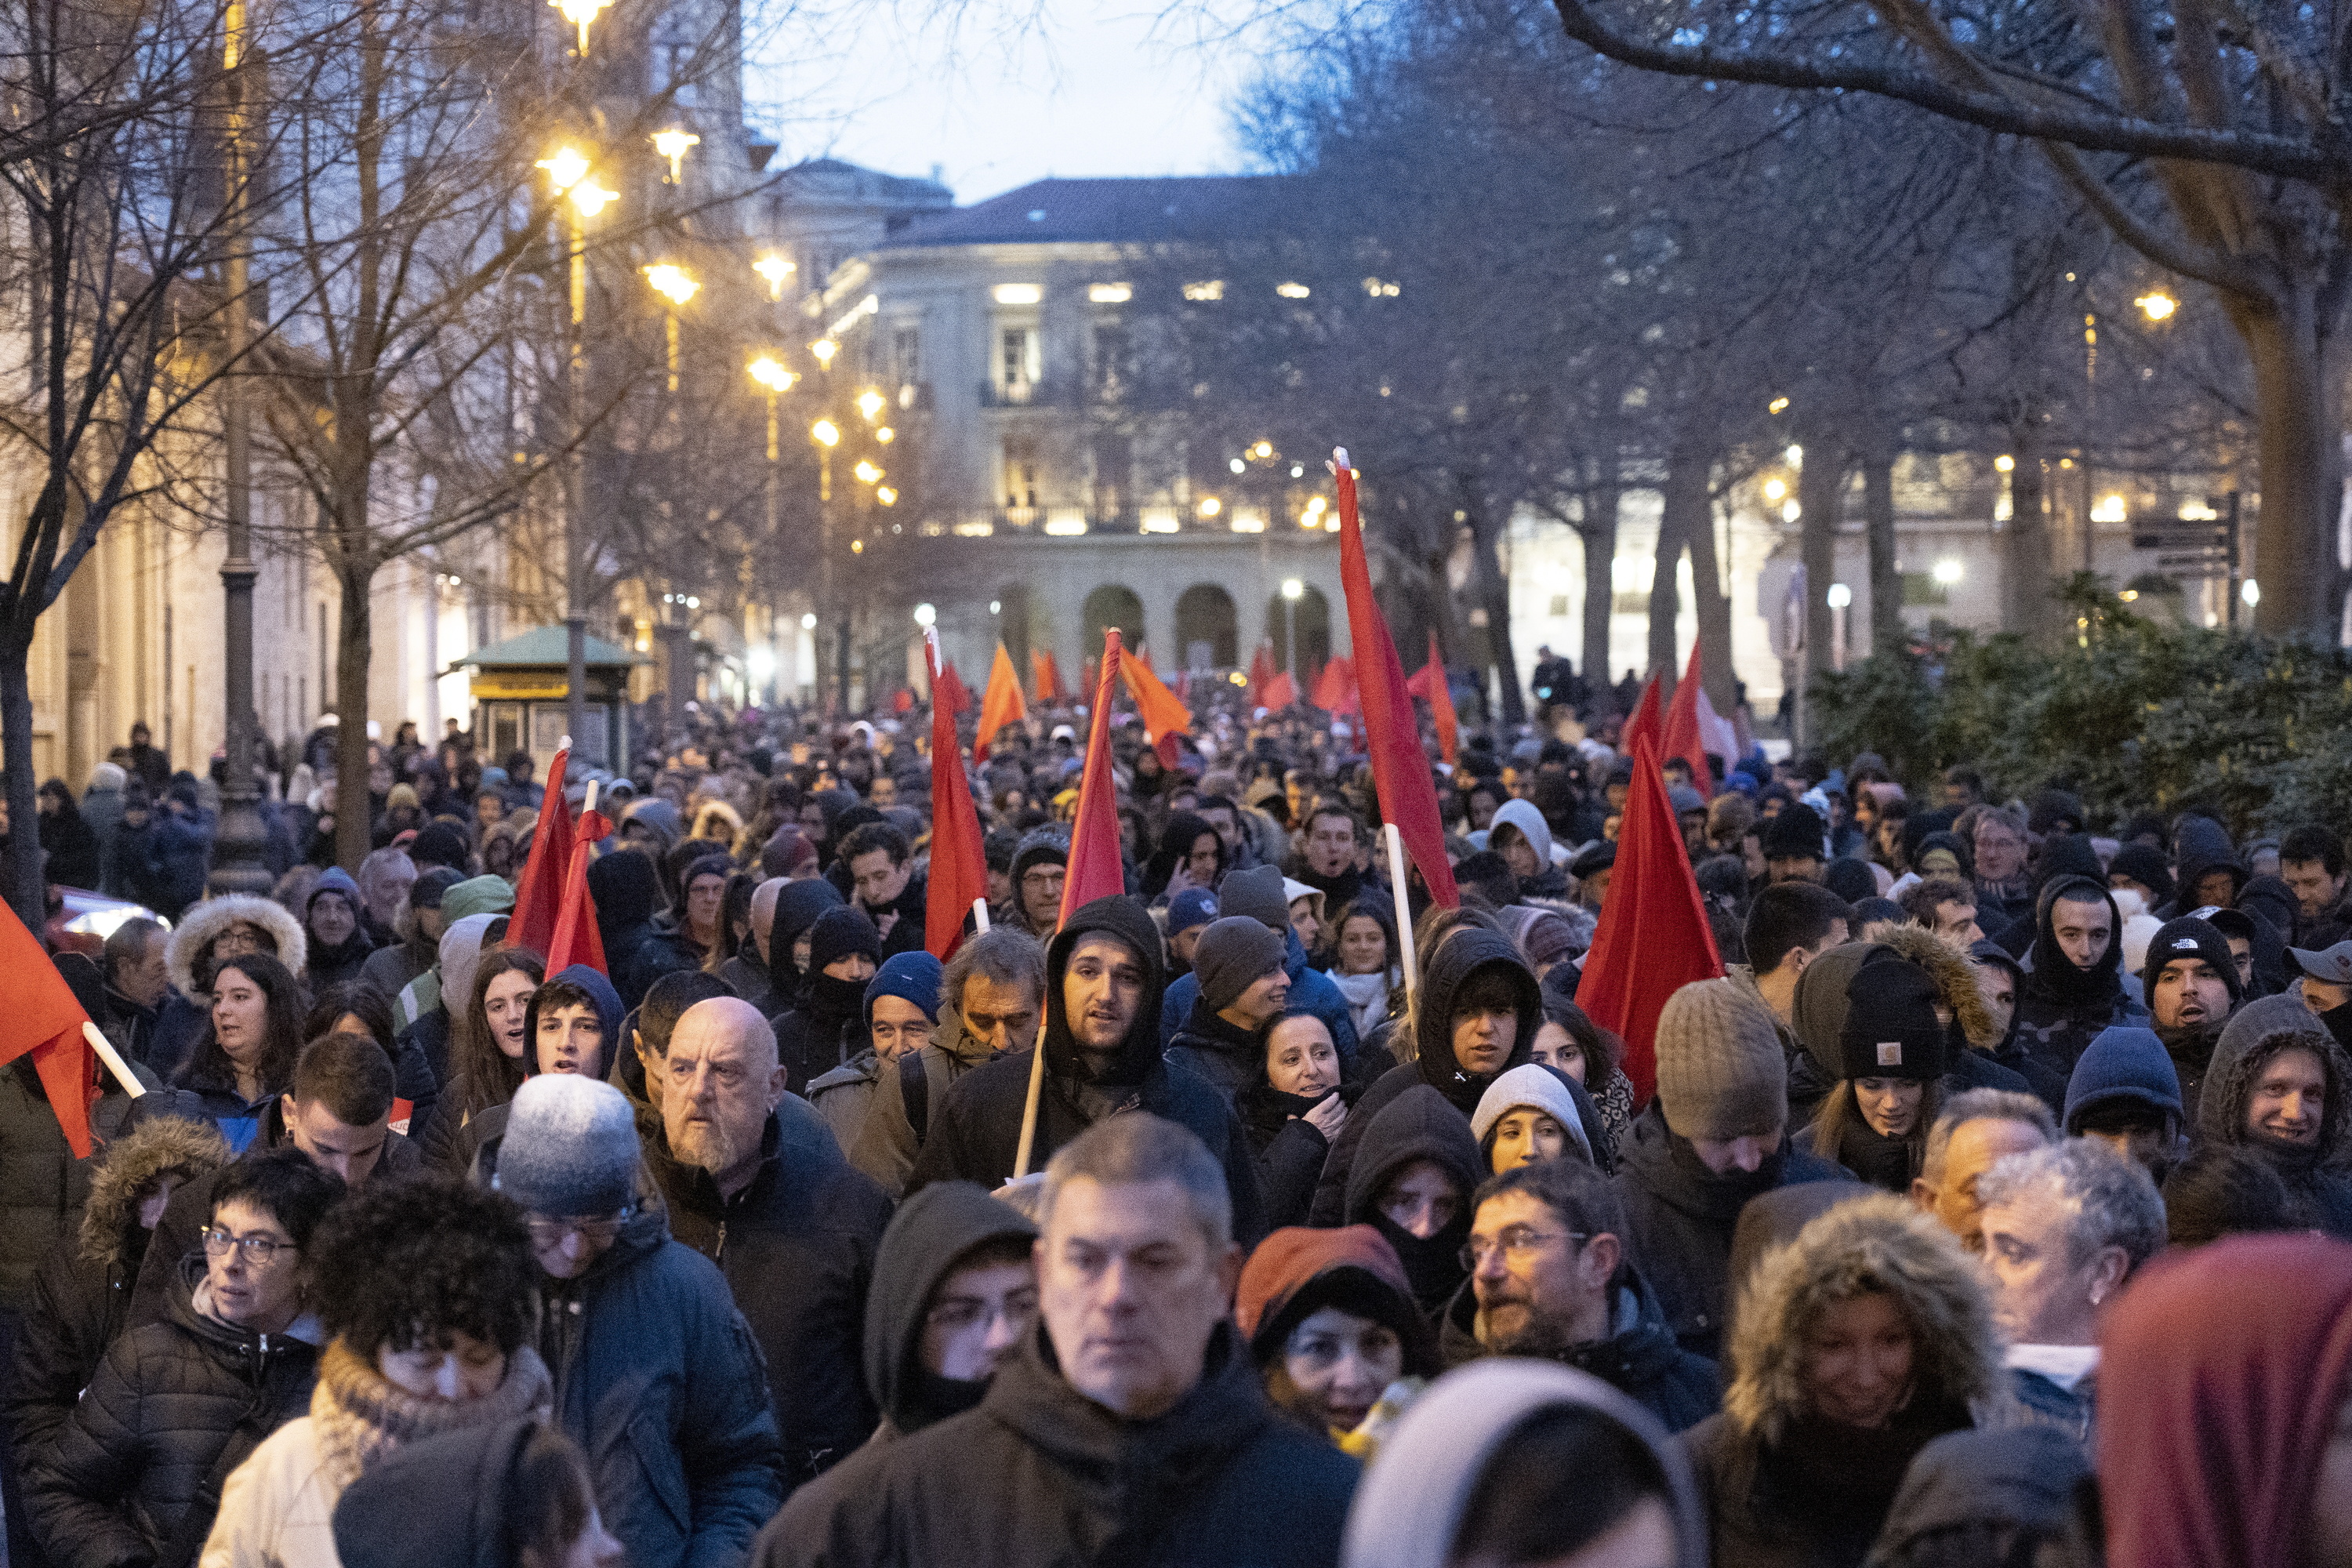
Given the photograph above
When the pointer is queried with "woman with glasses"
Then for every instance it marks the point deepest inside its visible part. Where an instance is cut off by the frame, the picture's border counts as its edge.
(1330, 1323)
(136, 1471)
(426, 1287)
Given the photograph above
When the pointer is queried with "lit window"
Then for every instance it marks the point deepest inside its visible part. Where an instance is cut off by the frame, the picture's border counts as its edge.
(1211, 289)
(1293, 291)
(1110, 293)
(1019, 293)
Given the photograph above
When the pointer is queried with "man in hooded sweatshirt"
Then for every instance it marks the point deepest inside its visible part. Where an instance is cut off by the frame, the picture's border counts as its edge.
(902, 1006)
(1715, 1136)
(1132, 1428)
(2192, 984)
(2277, 1086)
(1104, 981)
(2076, 987)
(1476, 1019)
(798, 905)
(1259, 894)
(823, 1030)
(1415, 1173)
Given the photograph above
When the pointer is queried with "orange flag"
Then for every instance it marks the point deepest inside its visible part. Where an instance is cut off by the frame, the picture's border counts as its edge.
(576, 939)
(1045, 675)
(1428, 683)
(1165, 717)
(959, 870)
(1682, 734)
(1096, 870)
(1000, 705)
(38, 1013)
(1654, 938)
(538, 894)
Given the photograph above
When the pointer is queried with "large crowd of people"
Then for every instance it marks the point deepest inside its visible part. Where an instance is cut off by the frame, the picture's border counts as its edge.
(1992, 1207)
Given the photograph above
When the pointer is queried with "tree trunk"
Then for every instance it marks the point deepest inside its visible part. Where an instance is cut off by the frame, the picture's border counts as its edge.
(1820, 491)
(1887, 633)
(354, 636)
(2026, 607)
(1716, 673)
(2299, 403)
(1683, 516)
(1598, 529)
(1490, 590)
(25, 893)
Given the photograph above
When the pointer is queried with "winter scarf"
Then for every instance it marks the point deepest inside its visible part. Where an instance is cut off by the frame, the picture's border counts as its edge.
(360, 1417)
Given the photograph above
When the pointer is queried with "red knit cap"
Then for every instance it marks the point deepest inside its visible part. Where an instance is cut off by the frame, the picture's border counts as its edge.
(1294, 1256)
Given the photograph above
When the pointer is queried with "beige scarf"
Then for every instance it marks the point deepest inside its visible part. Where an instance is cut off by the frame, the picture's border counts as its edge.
(360, 1417)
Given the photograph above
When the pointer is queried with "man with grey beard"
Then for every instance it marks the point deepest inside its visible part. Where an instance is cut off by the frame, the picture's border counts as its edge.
(754, 1181)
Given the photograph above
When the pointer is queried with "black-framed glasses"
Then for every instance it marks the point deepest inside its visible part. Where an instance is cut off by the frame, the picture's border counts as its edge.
(1517, 1241)
(601, 1229)
(258, 1249)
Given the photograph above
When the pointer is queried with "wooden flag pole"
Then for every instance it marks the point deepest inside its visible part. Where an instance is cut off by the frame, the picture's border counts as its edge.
(1029, 1111)
(113, 1060)
(1403, 910)
(979, 915)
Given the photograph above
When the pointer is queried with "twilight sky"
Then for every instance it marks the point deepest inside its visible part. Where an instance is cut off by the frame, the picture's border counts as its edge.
(1102, 88)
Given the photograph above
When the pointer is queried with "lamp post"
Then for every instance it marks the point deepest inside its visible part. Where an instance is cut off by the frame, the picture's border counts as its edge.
(567, 168)
(673, 144)
(776, 381)
(238, 862)
(579, 13)
(774, 269)
(827, 436)
(677, 286)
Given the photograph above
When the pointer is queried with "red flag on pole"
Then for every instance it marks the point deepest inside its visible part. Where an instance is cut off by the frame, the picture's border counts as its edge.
(38, 1013)
(1654, 938)
(1000, 705)
(1336, 691)
(1261, 675)
(576, 939)
(1399, 767)
(1682, 732)
(946, 685)
(1645, 721)
(1165, 717)
(1278, 693)
(958, 870)
(1428, 683)
(1094, 870)
(538, 894)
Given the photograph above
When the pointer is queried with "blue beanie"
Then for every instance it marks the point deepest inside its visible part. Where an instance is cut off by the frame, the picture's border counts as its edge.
(1193, 907)
(2123, 1065)
(910, 976)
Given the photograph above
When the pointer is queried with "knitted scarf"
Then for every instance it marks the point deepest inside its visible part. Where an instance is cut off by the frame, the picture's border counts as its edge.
(360, 1417)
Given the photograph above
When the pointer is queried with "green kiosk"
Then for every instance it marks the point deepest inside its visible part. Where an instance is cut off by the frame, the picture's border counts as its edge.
(522, 694)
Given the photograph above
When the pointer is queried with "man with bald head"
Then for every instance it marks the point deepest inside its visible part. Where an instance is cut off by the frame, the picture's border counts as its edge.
(754, 1181)
(746, 974)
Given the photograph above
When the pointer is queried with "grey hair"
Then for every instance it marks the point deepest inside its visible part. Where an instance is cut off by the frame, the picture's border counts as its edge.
(128, 944)
(1981, 1105)
(1135, 1147)
(372, 868)
(2109, 1200)
(1006, 956)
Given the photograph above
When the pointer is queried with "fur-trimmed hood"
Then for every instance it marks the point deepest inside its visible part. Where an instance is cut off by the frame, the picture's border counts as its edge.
(1819, 1014)
(157, 1146)
(718, 821)
(1872, 1243)
(204, 922)
(1957, 981)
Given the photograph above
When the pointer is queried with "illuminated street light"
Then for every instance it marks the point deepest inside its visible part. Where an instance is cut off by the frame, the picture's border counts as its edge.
(1775, 489)
(1211, 506)
(886, 496)
(1293, 589)
(2004, 463)
(775, 269)
(808, 621)
(2156, 305)
(1263, 449)
(579, 13)
(824, 349)
(567, 170)
(672, 282)
(826, 431)
(926, 616)
(1237, 465)
(867, 472)
(771, 373)
(672, 144)
(886, 435)
(1840, 596)
(1946, 573)
(871, 403)
(2251, 592)
(1778, 406)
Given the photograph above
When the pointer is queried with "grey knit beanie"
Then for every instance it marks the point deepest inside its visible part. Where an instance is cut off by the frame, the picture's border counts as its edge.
(1234, 954)
(1721, 1071)
(571, 1147)
(1258, 894)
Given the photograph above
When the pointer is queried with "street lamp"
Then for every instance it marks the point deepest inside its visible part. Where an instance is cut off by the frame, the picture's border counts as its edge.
(824, 349)
(2156, 305)
(1840, 598)
(771, 373)
(1293, 590)
(775, 269)
(871, 403)
(866, 471)
(926, 616)
(568, 171)
(672, 144)
(579, 13)
(675, 284)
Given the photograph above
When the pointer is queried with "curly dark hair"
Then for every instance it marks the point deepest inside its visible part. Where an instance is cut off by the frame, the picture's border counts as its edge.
(407, 1264)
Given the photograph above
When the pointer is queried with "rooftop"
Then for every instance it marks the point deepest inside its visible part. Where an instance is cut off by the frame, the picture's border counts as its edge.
(544, 647)
(1112, 211)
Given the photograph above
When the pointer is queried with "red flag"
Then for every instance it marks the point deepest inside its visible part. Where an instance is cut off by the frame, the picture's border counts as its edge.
(1094, 870)
(1399, 767)
(1000, 705)
(575, 939)
(1165, 717)
(1279, 693)
(1428, 683)
(946, 683)
(958, 870)
(1682, 735)
(1654, 938)
(1335, 688)
(1261, 675)
(38, 1013)
(539, 895)
(1644, 722)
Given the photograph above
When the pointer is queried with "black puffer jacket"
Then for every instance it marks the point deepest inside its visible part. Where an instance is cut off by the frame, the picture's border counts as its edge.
(1458, 958)
(174, 1406)
(82, 1297)
(797, 1247)
(976, 1133)
(1039, 1473)
(42, 1185)
(1221, 1054)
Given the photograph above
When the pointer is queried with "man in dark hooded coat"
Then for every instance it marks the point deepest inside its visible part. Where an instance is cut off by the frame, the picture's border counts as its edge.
(2257, 1096)
(2063, 1003)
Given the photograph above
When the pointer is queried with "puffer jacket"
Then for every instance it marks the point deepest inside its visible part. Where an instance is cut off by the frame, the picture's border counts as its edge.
(1787, 1489)
(42, 1186)
(174, 1408)
(81, 1297)
(658, 1377)
(797, 1250)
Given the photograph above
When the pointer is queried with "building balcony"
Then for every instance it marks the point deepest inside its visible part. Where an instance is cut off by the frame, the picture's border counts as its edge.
(1024, 395)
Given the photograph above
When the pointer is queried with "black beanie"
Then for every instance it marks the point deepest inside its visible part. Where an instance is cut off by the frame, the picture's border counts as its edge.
(1891, 1028)
(838, 933)
(2144, 864)
(1794, 833)
(2190, 937)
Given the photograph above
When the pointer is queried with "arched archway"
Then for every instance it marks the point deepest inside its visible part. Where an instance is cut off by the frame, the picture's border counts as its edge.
(1311, 615)
(1208, 631)
(1112, 606)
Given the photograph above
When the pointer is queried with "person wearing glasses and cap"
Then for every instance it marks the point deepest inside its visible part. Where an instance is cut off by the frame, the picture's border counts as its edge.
(640, 1332)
